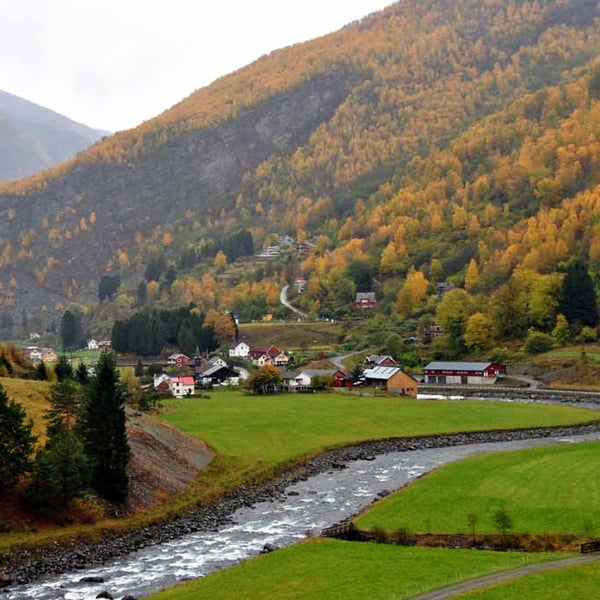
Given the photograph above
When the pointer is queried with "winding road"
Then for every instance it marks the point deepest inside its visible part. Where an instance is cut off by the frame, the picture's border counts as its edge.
(504, 576)
(283, 299)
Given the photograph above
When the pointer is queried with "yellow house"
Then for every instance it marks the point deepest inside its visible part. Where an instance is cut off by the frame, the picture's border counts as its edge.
(391, 379)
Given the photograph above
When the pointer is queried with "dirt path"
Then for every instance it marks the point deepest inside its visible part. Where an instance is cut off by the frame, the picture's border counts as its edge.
(504, 576)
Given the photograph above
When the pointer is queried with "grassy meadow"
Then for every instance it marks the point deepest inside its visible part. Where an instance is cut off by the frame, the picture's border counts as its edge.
(33, 395)
(546, 490)
(276, 428)
(337, 570)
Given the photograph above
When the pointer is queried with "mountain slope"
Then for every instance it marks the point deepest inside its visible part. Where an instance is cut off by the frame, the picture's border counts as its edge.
(33, 138)
(427, 136)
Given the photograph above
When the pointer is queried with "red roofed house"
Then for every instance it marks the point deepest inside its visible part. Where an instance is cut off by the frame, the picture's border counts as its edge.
(181, 386)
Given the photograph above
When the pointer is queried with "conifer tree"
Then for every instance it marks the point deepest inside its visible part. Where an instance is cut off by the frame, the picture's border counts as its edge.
(16, 441)
(104, 435)
(578, 297)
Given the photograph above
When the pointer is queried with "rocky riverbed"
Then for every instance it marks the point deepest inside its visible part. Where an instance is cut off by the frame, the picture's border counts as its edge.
(23, 568)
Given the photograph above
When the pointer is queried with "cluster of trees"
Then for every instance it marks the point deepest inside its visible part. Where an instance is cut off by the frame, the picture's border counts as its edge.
(148, 333)
(85, 446)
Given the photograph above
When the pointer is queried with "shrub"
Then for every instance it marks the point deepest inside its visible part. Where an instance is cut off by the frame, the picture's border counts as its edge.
(537, 342)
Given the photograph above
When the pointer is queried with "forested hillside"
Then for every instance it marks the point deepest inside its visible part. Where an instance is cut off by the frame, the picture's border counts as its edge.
(452, 140)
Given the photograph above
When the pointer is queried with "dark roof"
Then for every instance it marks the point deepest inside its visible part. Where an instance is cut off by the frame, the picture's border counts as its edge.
(457, 366)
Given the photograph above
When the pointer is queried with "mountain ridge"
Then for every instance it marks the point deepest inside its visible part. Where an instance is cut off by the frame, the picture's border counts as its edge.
(33, 138)
(422, 138)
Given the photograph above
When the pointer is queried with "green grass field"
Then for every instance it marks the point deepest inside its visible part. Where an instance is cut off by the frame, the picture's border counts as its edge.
(336, 570)
(571, 583)
(544, 490)
(280, 427)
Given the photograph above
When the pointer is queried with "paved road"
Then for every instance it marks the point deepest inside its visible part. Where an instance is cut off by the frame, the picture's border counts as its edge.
(283, 299)
(504, 576)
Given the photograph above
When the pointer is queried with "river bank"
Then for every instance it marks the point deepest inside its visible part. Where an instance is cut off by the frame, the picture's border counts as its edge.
(22, 567)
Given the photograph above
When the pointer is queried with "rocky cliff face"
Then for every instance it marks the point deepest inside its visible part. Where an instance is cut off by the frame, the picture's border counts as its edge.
(63, 236)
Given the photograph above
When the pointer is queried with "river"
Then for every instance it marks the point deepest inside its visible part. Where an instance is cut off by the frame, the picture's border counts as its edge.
(307, 508)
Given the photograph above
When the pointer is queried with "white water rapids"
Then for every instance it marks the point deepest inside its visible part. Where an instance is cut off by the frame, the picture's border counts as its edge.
(309, 507)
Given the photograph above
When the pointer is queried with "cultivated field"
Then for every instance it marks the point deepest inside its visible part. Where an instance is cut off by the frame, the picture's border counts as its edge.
(276, 428)
(336, 570)
(548, 490)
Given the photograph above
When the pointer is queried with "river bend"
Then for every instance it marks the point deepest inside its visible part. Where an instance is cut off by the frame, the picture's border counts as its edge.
(307, 507)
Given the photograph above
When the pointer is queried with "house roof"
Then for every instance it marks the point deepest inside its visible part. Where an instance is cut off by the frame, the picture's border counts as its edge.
(289, 374)
(318, 372)
(183, 380)
(215, 369)
(378, 358)
(457, 366)
(381, 373)
(178, 355)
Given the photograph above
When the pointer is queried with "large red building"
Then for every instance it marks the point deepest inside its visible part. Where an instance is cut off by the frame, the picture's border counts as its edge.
(461, 373)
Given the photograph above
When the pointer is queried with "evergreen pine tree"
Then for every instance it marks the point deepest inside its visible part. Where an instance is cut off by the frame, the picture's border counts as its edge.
(81, 374)
(60, 471)
(578, 296)
(63, 369)
(104, 435)
(16, 441)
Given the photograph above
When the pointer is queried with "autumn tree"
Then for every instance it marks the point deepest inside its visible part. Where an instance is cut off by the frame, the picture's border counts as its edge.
(265, 380)
(412, 292)
(452, 314)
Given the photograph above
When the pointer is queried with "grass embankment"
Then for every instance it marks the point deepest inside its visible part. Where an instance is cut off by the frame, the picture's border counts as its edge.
(571, 583)
(277, 428)
(336, 570)
(548, 490)
(33, 395)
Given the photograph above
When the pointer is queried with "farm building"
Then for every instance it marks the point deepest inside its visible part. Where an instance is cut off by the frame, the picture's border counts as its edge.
(392, 379)
(461, 373)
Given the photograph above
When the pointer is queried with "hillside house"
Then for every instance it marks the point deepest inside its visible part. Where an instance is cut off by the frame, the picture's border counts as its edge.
(239, 350)
(380, 360)
(391, 379)
(305, 378)
(364, 301)
(463, 373)
(92, 344)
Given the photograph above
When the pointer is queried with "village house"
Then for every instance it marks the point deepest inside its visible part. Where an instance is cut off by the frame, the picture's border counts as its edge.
(181, 386)
(391, 379)
(304, 379)
(239, 350)
(217, 375)
(463, 373)
(92, 344)
(380, 360)
(178, 360)
(364, 300)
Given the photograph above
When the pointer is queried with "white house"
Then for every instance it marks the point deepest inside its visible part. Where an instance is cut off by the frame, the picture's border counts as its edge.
(240, 350)
(181, 386)
(92, 344)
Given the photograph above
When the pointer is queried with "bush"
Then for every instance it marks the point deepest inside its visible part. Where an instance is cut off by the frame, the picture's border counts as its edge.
(538, 342)
(587, 334)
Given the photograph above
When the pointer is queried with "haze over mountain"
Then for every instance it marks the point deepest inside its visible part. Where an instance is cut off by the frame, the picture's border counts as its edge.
(33, 138)
(454, 139)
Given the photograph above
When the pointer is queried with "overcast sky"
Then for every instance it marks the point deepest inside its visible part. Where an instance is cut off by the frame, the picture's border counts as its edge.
(112, 64)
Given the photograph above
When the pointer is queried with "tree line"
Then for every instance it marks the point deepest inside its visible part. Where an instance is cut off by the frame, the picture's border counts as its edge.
(147, 334)
(85, 447)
